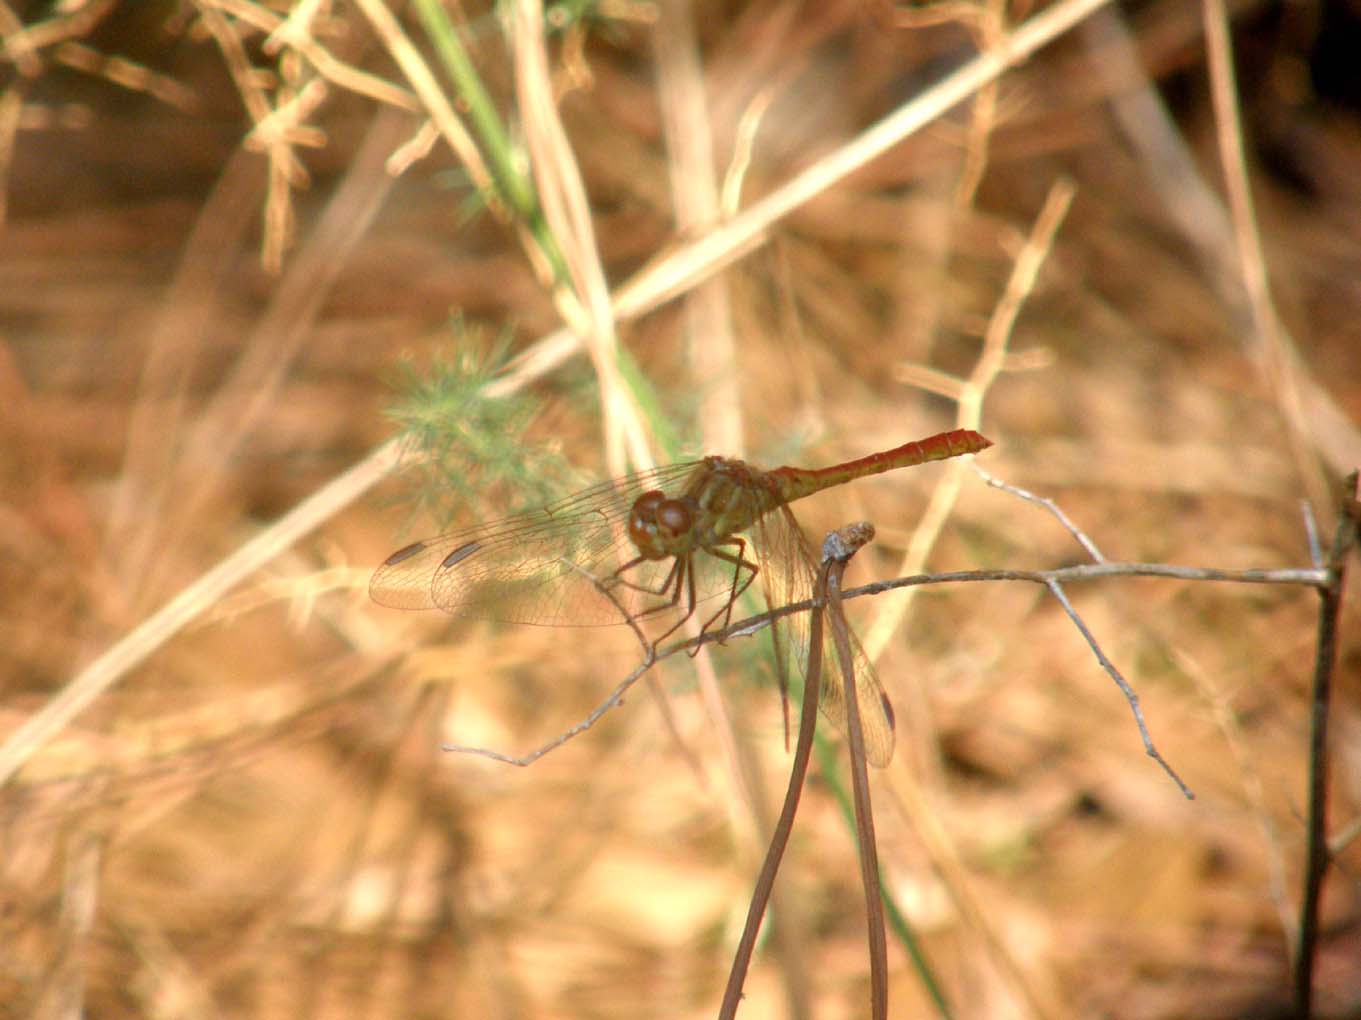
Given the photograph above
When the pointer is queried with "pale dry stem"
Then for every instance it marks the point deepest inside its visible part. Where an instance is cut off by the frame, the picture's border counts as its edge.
(294, 32)
(688, 132)
(988, 31)
(168, 476)
(432, 96)
(709, 343)
(17, 45)
(126, 74)
(971, 395)
(75, 24)
(562, 195)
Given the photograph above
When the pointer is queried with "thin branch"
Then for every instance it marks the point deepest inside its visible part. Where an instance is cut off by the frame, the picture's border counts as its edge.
(1309, 577)
(1311, 533)
(1048, 578)
(1078, 534)
(615, 698)
(1120, 682)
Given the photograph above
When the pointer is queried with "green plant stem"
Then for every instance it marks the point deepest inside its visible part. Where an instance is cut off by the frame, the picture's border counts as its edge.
(516, 189)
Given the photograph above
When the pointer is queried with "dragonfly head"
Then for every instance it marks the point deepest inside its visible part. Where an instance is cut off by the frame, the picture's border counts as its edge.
(660, 526)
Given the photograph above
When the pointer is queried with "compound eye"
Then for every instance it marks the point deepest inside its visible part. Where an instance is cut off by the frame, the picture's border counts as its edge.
(645, 506)
(673, 517)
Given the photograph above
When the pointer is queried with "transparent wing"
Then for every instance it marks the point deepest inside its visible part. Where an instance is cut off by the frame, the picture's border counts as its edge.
(556, 565)
(789, 573)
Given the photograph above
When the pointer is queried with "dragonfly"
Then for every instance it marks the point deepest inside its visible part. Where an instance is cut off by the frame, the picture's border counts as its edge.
(656, 545)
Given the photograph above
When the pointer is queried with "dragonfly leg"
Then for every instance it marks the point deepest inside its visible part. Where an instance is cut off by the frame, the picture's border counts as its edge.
(687, 574)
(739, 583)
(680, 577)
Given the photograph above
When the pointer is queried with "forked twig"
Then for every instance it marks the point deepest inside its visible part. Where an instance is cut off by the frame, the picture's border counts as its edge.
(837, 550)
(1056, 589)
(1313, 578)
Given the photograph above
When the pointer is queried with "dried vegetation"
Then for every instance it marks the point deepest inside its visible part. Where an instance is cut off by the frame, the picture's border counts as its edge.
(208, 271)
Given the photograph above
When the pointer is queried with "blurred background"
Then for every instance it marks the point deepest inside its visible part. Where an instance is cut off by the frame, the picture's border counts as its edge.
(245, 242)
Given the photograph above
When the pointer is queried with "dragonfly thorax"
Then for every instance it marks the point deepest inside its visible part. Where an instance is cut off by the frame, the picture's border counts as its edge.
(660, 526)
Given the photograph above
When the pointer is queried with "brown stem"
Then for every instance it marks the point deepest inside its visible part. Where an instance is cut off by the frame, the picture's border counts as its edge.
(830, 588)
(1325, 660)
(779, 840)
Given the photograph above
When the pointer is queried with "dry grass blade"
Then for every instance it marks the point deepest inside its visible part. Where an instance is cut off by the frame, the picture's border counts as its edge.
(972, 394)
(691, 165)
(586, 304)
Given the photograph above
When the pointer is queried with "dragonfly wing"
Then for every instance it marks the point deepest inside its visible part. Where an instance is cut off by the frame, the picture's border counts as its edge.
(540, 576)
(788, 574)
(557, 565)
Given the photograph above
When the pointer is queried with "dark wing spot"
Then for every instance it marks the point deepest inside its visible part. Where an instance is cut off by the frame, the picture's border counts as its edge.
(460, 554)
(404, 553)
